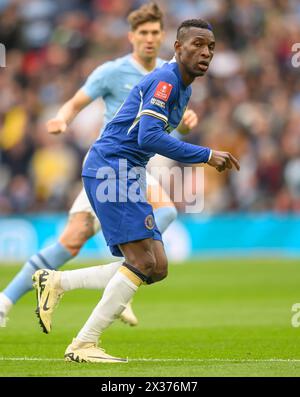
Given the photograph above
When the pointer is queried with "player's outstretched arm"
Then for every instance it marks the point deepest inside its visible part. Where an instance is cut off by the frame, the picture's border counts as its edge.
(68, 112)
(152, 137)
(222, 161)
(188, 122)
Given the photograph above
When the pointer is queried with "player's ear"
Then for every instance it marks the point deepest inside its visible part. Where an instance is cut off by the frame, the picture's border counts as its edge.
(177, 46)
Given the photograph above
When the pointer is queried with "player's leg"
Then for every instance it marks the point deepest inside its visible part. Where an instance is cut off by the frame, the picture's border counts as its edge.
(163, 208)
(82, 225)
(98, 276)
(129, 229)
(140, 265)
(164, 213)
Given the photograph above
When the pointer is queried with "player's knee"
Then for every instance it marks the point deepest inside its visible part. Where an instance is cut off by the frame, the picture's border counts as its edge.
(74, 250)
(161, 270)
(79, 229)
(145, 264)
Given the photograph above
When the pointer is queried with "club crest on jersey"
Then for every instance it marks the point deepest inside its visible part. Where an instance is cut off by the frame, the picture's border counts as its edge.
(149, 222)
(163, 91)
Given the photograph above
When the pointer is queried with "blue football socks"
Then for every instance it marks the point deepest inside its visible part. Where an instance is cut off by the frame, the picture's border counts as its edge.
(51, 257)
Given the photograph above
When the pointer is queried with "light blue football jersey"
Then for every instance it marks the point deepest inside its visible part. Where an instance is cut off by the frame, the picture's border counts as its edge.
(113, 81)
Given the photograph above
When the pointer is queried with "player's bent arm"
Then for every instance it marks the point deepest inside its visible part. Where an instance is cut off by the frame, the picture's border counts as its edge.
(68, 112)
(153, 138)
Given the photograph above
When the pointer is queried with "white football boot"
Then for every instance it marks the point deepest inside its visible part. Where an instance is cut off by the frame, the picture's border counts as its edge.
(127, 316)
(48, 294)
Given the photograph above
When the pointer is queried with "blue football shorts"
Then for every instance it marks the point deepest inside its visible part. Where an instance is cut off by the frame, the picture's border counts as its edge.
(122, 220)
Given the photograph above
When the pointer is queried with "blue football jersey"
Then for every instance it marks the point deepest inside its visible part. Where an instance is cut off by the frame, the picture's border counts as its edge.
(113, 81)
(140, 128)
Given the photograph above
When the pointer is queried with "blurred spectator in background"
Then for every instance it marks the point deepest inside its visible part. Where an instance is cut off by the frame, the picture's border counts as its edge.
(249, 104)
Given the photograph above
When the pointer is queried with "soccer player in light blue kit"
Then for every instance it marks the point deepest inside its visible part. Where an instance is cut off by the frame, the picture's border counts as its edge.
(112, 81)
(117, 160)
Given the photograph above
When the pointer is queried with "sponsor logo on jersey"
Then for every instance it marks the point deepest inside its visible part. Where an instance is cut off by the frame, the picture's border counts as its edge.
(158, 102)
(163, 91)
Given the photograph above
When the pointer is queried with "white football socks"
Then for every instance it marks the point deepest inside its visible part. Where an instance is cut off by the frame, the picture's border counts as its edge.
(95, 277)
(117, 294)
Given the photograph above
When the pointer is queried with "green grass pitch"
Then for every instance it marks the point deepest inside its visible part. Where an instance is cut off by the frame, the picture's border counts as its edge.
(208, 318)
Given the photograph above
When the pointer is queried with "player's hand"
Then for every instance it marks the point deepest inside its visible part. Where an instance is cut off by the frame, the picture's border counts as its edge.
(189, 121)
(56, 126)
(223, 160)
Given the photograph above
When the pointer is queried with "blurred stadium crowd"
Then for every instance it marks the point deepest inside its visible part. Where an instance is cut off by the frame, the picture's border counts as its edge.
(248, 104)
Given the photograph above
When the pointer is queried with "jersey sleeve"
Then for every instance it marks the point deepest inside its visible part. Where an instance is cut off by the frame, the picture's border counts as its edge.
(159, 96)
(98, 82)
(153, 138)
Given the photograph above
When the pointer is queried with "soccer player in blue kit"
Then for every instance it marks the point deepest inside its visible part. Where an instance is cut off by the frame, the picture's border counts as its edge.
(139, 130)
(112, 82)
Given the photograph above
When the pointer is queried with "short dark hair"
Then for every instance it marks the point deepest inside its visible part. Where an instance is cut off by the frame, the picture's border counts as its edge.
(147, 13)
(192, 23)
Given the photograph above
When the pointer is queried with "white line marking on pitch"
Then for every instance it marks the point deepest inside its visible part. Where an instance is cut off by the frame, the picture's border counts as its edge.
(199, 360)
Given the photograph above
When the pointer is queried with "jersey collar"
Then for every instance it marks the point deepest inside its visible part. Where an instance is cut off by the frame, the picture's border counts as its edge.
(139, 67)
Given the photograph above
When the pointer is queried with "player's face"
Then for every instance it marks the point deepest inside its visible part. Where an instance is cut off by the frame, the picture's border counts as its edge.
(196, 50)
(146, 40)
